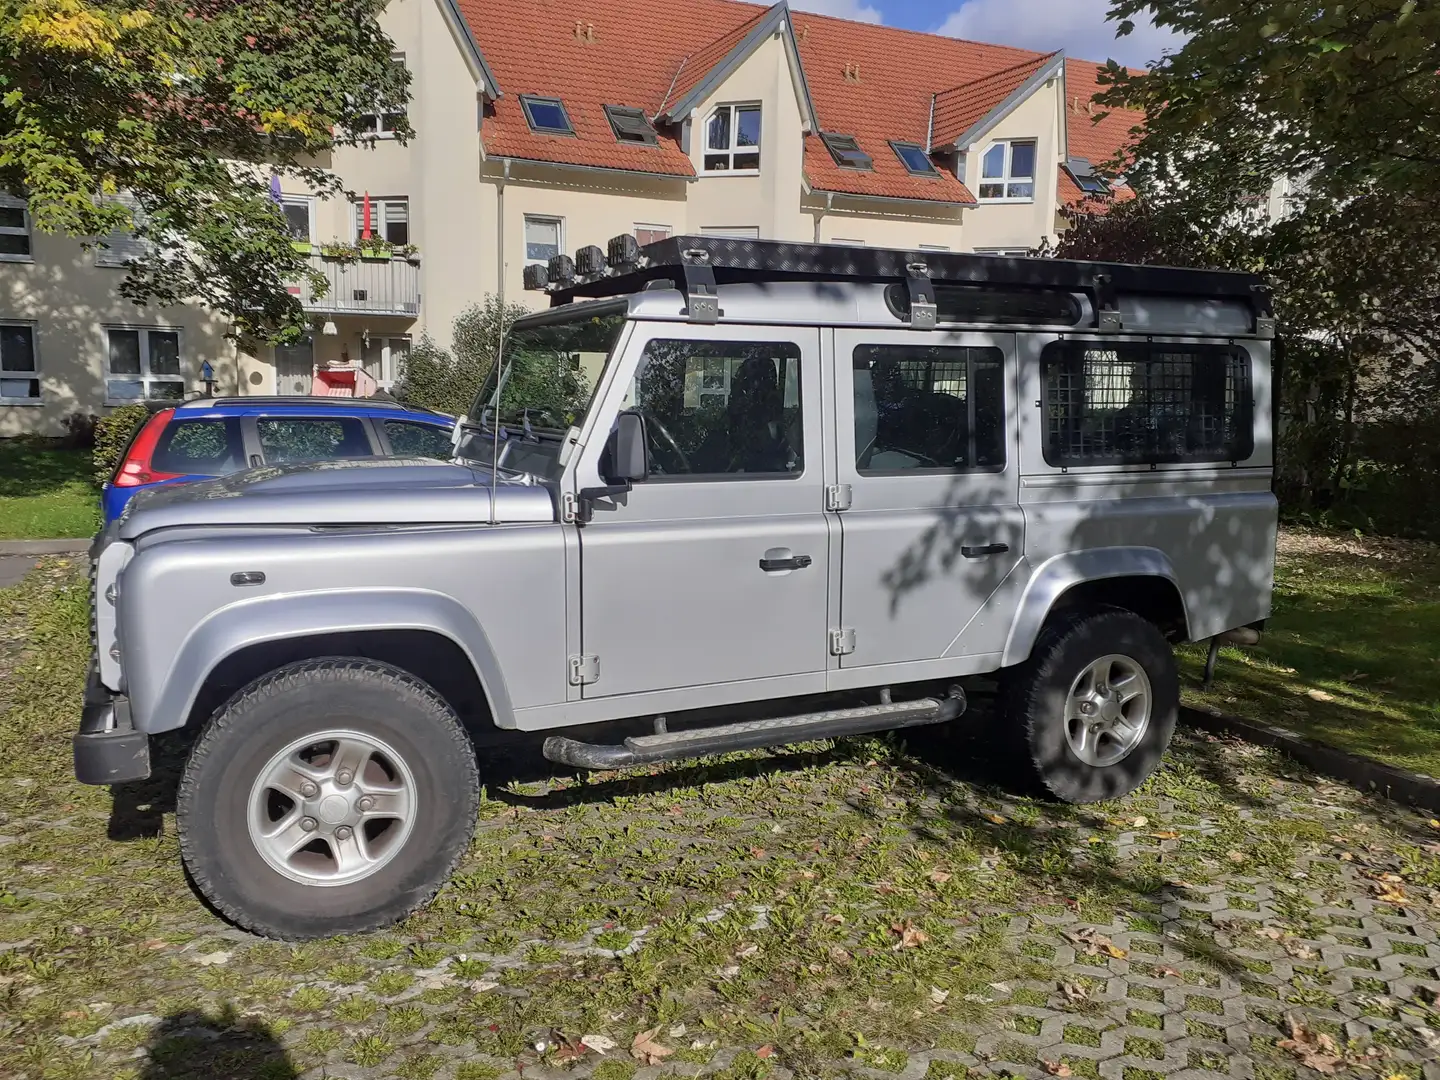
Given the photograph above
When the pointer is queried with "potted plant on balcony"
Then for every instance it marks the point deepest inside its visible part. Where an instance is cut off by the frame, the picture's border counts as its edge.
(339, 251)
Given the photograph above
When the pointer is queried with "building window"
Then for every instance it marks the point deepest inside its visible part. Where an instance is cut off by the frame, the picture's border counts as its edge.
(388, 115)
(734, 232)
(914, 158)
(630, 125)
(546, 116)
(544, 239)
(1145, 403)
(732, 139)
(847, 153)
(651, 234)
(389, 220)
(1008, 253)
(142, 364)
(299, 213)
(1085, 177)
(14, 229)
(384, 359)
(848, 243)
(1007, 172)
(934, 247)
(19, 369)
(123, 247)
(924, 408)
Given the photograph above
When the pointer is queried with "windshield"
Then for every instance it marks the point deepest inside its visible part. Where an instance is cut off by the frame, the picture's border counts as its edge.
(548, 373)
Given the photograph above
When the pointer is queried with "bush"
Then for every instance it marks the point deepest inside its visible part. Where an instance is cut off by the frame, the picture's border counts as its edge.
(80, 431)
(448, 380)
(112, 435)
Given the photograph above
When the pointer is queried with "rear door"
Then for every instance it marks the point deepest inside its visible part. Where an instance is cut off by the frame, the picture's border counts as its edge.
(925, 438)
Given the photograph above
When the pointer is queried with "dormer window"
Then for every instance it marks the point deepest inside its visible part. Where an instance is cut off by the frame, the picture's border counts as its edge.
(1086, 178)
(732, 139)
(546, 116)
(914, 158)
(847, 153)
(630, 125)
(1007, 172)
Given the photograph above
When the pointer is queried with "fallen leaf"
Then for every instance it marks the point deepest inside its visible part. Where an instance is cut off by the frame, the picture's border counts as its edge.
(1168, 972)
(601, 1044)
(1435, 823)
(1319, 695)
(1166, 835)
(836, 918)
(1056, 1068)
(155, 943)
(729, 972)
(645, 1049)
(1095, 943)
(1140, 822)
(747, 951)
(808, 875)
(911, 937)
(1345, 856)
(940, 876)
(757, 852)
(1299, 950)
(938, 996)
(1236, 856)
(483, 986)
(765, 1051)
(676, 1032)
(569, 1051)
(1074, 992)
(1315, 1050)
(213, 959)
(1274, 933)
(72, 1014)
(702, 1044)
(996, 819)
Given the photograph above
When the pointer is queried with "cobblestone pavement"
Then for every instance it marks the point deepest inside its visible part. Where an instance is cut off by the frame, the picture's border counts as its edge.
(862, 909)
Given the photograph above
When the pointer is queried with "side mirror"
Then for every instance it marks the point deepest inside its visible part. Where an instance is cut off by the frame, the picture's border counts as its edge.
(627, 452)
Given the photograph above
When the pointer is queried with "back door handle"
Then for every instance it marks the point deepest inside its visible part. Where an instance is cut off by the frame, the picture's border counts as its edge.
(983, 550)
(795, 562)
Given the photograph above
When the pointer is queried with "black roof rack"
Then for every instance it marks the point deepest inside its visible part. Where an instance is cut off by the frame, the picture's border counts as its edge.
(697, 265)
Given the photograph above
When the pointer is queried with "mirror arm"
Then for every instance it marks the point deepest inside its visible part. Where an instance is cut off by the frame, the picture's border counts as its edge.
(585, 502)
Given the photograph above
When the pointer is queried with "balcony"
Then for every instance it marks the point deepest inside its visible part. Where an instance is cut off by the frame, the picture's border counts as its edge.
(363, 286)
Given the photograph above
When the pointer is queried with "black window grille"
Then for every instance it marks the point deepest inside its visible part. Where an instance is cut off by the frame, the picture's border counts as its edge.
(1006, 307)
(1136, 403)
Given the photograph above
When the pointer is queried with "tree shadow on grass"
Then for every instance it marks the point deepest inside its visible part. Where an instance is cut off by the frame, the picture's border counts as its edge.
(224, 1044)
(28, 468)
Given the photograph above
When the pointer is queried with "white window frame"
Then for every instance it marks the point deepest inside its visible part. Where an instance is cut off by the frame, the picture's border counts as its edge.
(732, 149)
(547, 219)
(307, 201)
(34, 373)
(666, 229)
(1009, 179)
(145, 378)
(378, 213)
(733, 232)
(15, 203)
(388, 376)
(1007, 253)
(934, 247)
(381, 131)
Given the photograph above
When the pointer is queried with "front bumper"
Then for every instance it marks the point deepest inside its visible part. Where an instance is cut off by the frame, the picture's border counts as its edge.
(108, 749)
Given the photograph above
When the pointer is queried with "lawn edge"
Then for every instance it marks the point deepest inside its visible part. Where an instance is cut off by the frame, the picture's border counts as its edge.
(1365, 774)
(69, 546)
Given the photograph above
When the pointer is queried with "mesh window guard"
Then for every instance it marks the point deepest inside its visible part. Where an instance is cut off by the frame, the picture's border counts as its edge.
(1135, 403)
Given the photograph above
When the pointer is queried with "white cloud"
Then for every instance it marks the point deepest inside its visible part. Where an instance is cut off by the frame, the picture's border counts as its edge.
(843, 9)
(1077, 26)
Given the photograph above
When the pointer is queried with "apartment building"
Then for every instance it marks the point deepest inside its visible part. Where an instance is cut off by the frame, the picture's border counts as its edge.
(542, 128)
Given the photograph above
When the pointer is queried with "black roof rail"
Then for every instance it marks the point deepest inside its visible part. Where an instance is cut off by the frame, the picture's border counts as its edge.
(698, 265)
(309, 401)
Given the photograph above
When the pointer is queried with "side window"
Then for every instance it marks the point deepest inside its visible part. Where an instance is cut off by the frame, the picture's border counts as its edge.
(1139, 402)
(409, 439)
(305, 439)
(207, 447)
(720, 408)
(933, 408)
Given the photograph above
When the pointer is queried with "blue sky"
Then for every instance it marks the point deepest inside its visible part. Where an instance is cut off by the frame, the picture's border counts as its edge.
(1077, 26)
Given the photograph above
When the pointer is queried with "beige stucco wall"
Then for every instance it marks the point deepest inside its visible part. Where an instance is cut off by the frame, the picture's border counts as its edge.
(1017, 225)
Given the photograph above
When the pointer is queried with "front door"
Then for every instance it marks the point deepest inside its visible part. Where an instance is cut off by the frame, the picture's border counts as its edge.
(295, 367)
(926, 442)
(715, 569)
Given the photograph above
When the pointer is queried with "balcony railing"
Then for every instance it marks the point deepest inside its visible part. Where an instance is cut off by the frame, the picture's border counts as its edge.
(363, 287)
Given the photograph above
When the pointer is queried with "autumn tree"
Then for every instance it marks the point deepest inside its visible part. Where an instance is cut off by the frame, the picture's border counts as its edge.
(186, 107)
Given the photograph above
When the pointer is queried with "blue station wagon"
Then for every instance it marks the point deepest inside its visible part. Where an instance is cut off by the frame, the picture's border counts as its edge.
(212, 437)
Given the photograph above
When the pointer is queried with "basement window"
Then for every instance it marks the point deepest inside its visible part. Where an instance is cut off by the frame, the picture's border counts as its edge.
(847, 153)
(630, 125)
(914, 158)
(546, 116)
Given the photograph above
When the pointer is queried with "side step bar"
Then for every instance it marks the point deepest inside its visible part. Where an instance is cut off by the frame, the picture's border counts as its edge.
(752, 734)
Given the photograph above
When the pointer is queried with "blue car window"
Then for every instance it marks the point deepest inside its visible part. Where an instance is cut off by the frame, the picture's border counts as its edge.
(200, 447)
(410, 439)
(312, 439)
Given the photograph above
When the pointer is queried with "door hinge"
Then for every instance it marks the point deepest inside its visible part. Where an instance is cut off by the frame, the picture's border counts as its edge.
(584, 670)
(842, 641)
(569, 508)
(837, 497)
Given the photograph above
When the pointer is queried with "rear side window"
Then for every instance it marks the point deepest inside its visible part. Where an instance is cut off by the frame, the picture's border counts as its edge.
(307, 439)
(409, 439)
(205, 447)
(923, 408)
(1146, 402)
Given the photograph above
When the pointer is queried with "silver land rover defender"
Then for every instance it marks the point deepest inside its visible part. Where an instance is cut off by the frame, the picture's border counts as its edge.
(809, 491)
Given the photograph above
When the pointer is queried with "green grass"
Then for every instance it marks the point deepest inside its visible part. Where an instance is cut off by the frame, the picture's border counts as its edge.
(45, 493)
(1349, 656)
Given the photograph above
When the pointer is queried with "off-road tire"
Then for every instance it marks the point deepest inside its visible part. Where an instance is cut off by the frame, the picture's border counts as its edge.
(1035, 693)
(264, 717)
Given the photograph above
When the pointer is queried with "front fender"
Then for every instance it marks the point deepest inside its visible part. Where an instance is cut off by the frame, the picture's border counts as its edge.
(164, 703)
(1056, 575)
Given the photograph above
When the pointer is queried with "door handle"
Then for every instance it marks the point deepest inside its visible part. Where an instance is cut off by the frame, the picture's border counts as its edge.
(794, 562)
(983, 550)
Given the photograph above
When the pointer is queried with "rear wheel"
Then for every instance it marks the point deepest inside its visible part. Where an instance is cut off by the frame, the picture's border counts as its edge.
(1094, 707)
(330, 797)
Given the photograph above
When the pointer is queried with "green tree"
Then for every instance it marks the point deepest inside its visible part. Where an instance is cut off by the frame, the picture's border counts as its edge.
(447, 380)
(186, 106)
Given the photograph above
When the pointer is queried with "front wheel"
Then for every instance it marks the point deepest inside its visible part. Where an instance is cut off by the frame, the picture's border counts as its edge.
(1094, 707)
(330, 797)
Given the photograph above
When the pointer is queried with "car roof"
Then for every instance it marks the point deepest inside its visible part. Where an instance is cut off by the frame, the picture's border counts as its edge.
(306, 405)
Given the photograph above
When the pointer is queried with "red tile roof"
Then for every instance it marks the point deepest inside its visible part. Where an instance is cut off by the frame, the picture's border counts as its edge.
(1091, 133)
(650, 53)
(957, 109)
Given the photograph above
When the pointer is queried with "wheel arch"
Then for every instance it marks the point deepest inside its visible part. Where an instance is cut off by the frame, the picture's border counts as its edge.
(430, 635)
(1138, 579)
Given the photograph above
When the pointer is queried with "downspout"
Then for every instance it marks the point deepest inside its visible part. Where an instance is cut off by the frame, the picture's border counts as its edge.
(829, 202)
(500, 229)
